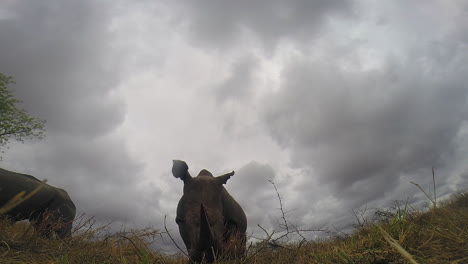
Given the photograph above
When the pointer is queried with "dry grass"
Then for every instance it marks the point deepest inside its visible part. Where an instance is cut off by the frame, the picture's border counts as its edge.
(20, 244)
(437, 236)
(402, 235)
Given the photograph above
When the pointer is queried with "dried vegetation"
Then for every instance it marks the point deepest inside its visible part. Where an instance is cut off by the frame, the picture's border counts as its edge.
(400, 235)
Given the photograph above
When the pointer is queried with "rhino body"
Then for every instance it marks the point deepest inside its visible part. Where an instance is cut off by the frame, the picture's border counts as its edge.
(211, 223)
(50, 208)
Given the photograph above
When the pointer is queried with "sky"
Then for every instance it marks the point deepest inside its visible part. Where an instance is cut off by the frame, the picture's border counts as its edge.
(340, 103)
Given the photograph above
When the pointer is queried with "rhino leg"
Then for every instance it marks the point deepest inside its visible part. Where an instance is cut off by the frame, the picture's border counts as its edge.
(234, 242)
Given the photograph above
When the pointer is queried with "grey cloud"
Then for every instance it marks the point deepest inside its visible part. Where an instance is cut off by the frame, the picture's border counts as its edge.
(251, 178)
(103, 180)
(238, 86)
(56, 52)
(356, 137)
(215, 23)
(250, 187)
(366, 128)
(62, 58)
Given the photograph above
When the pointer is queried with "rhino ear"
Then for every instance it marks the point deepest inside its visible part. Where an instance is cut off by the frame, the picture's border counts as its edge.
(180, 170)
(224, 178)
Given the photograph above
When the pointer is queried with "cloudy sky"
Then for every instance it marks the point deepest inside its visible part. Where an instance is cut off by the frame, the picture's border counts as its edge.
(341, 103)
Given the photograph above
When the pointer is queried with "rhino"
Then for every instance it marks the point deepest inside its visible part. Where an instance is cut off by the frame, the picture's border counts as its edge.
(211, 223)
(50, 210)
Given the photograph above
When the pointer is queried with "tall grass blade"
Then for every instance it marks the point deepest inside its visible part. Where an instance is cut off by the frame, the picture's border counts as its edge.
(433, 183)
(397, 246)
(18, 199)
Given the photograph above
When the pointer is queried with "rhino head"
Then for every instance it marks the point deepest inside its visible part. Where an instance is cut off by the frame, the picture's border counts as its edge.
(207, 216)
(50, 210)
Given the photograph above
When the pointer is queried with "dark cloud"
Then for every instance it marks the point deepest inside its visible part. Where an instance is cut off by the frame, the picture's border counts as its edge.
(352, 135)
(215, 23)
(360, 134)
(62, 58)
(361, 128)
(251, 181)
(57, 52)
(251, 189)
(238, 85)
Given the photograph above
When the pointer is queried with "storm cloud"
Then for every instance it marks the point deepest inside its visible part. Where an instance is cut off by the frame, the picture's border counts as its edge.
(222, 23)
(340, 103)
(58, 54)
(361, 127)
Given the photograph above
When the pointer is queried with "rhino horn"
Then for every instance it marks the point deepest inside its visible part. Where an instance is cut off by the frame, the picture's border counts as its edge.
(206, 235)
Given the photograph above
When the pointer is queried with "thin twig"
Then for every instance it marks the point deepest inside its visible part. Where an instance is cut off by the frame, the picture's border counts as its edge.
(283, 214)
(264, 242)
(433, 182)
(173, 241)
(140, 255)
(339, 231)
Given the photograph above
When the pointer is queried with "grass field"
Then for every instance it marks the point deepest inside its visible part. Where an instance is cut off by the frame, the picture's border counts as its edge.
(403, 235)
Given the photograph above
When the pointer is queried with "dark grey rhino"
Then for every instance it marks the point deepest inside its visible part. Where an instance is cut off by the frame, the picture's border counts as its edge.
(211, 222)
(50, 209)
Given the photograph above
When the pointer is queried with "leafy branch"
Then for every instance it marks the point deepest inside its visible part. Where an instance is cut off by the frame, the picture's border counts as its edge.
(16, 123)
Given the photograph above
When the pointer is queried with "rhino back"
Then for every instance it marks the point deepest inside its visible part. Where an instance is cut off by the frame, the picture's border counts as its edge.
(233, 212)
(12, 183)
